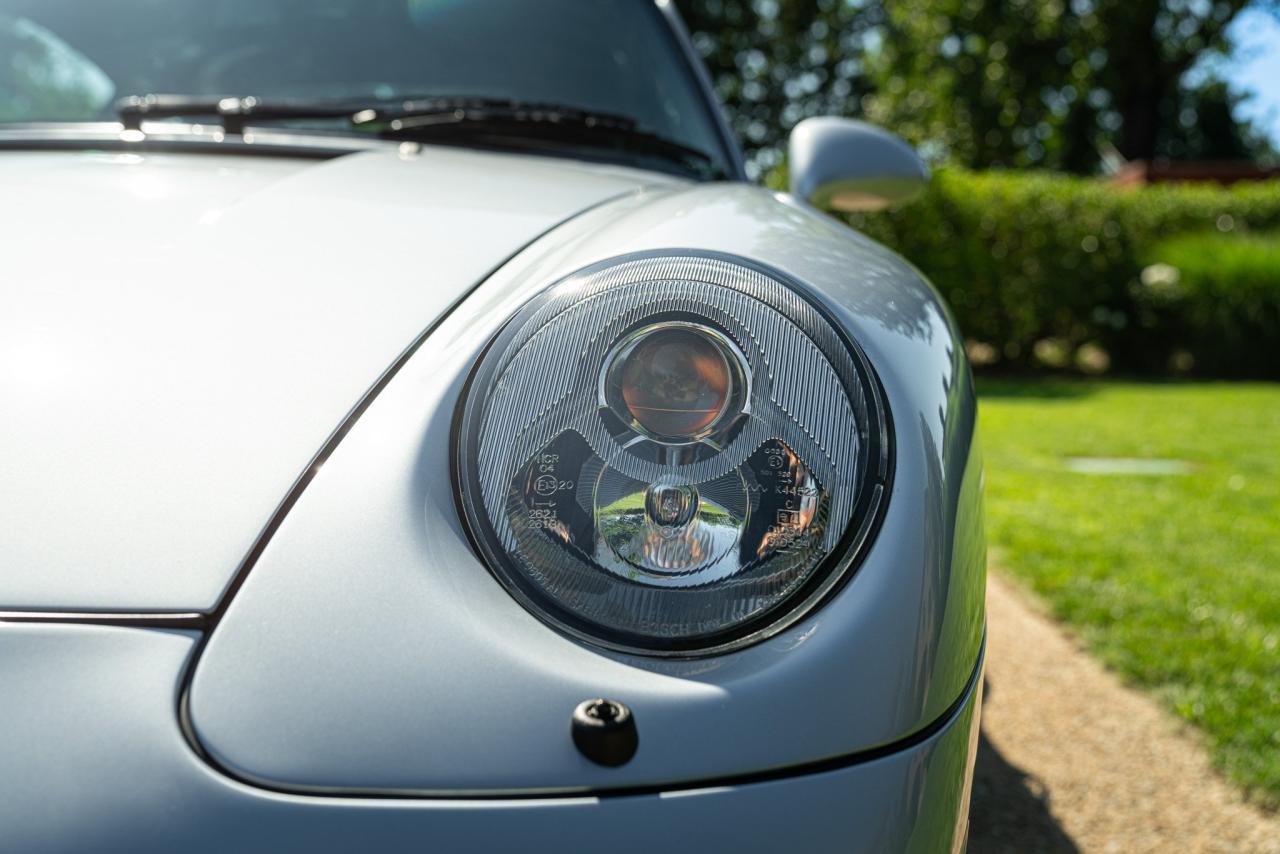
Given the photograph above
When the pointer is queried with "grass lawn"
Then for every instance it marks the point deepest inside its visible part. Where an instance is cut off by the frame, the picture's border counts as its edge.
(1172, 579)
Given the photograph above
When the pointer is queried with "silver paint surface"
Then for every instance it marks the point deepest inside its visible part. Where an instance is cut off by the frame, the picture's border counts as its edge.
(179, 334)
(371, 650)
(96, 762)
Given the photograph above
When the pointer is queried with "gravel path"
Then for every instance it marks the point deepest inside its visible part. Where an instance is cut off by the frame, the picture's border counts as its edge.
(1071, 760)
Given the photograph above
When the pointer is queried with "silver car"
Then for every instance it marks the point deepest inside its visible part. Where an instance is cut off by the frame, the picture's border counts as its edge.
(418, 434)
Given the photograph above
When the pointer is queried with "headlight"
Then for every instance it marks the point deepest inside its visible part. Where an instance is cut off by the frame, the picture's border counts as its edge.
(671, 454)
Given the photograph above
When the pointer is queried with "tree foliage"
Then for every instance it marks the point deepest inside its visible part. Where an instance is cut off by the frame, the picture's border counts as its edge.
(1203, 126)
(775, 62)
(995, 83)
(1057, 84)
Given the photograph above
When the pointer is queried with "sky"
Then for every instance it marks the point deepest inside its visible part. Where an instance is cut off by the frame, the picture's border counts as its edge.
(1255, 68)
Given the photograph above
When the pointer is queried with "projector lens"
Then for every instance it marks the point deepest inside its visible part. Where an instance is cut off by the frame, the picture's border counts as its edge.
(674, 381)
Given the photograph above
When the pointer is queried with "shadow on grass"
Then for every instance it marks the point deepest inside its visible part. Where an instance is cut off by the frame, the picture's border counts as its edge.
(1034, 388)
(1009, 809)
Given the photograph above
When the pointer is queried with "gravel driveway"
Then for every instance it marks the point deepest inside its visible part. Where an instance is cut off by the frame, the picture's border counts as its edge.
(1071, 760)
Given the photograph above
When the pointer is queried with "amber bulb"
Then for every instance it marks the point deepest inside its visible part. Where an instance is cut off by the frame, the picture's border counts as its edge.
(675, 382)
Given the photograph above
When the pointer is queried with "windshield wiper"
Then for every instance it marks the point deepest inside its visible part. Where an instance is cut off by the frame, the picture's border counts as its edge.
(472, 119)
(232, 113)
(486, 118)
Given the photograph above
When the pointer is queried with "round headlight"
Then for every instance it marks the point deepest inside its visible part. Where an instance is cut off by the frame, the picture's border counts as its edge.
(671, 454)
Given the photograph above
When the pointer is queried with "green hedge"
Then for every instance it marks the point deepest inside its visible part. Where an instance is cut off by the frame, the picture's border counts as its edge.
(1045, 268)
(1221, 295)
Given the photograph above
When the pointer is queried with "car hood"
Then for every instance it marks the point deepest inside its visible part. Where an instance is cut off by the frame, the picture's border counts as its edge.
(179, 334)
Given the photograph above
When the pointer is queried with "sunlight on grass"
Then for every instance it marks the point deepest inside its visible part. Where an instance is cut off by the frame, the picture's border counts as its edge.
(1170, 573)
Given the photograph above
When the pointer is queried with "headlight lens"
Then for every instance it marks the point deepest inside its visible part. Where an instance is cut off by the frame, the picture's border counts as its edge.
(674, 381)
(671, 454)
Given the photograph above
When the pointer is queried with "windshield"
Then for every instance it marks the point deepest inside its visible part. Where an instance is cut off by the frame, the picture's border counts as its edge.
(71, 60)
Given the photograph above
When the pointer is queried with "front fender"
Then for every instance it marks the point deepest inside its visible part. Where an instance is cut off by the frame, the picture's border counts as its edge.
(369, 650)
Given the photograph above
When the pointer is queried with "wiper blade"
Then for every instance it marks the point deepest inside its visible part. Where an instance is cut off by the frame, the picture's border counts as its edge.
(416, 112)
(232, 113)
(433, 118)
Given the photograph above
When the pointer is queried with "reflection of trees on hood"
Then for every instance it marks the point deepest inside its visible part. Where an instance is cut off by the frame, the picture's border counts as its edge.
(881, 287)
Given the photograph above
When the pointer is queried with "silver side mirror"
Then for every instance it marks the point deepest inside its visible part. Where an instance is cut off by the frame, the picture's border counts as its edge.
(848, 165)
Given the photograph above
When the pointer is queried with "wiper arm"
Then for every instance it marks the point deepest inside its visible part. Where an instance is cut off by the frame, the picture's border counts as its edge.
(232, 113)
(470, 117)
(431, 118)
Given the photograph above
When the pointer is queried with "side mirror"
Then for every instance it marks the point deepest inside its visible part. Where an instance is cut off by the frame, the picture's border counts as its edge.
(848, 165)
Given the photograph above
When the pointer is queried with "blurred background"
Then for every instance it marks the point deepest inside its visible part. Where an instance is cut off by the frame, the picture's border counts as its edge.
(1104, 220)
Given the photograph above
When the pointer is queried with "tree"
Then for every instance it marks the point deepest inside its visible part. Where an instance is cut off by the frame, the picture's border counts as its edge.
(1203, 126)
(992, 83)
(987, 83)
(1052, 84)
(775, 62)
(1150, 46)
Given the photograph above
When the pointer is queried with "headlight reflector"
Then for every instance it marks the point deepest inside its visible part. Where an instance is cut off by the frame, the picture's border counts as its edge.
(671, 454)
